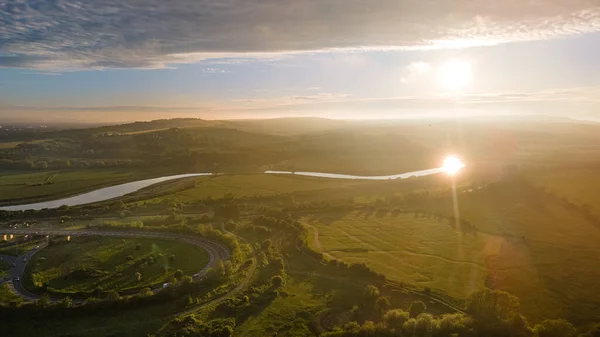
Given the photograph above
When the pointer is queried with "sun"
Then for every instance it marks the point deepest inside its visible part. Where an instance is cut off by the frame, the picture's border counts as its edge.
(456, 75)
(452, 165)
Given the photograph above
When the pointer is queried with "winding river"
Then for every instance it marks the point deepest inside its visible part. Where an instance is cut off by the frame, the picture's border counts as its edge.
(116, 191)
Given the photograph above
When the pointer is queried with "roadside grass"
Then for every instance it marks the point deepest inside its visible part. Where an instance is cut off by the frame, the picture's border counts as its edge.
(17, 246)
(29, 187)
(7, 296)
(84, 264)
(4, 268)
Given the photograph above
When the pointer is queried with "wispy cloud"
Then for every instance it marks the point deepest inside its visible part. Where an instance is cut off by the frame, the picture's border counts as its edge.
(70, 34)
(213, 71)
(415, 71)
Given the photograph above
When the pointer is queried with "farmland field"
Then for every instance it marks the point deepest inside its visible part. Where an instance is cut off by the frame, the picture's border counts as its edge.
(407, 247)
(246, 186)
(579, 186)
(84, 264)
(27, 187)
(522, 246)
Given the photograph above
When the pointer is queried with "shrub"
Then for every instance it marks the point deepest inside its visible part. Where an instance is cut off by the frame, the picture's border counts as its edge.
(277, 281)
(416, 308)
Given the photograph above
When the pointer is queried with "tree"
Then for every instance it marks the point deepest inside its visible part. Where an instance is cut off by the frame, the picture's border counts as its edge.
(395, 319)
(43, 301)
(277, 281)
(456, 323)
(113, 296)
(383, 304)
(65, 302)
(424, 325)
(266, 245)
(416, 308)
(370, 294)
(178, 274)
(555, 328)
(146, 292)
(230, 225)
(496, 312)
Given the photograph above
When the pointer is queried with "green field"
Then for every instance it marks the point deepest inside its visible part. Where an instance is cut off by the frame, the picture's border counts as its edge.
(9, 145)
(84, 264)
(247, 186)
(285, 316)
(579, 186)
(421, 251)
(527, 243)
(20, 187)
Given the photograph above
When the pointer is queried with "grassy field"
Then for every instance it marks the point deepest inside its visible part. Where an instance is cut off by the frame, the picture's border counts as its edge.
(250, 185)
(9, 145)
(579, 186)
(422, 251)
(19, 187)
(285, 316)
(527, 243)
(83, 264)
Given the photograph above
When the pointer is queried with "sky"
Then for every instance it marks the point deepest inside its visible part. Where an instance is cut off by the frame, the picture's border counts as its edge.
(127, 60)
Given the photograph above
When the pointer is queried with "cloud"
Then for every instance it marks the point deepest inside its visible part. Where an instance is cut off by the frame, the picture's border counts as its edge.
(416, 71)
(75, 34)
(213, 71)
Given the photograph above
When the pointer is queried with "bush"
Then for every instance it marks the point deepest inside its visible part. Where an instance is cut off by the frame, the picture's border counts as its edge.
(370, 294)
(416, 308)
(555, 328)
(395, 319)
(277, 281)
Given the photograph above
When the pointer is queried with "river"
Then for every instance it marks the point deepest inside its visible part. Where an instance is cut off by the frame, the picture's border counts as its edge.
(116, 191)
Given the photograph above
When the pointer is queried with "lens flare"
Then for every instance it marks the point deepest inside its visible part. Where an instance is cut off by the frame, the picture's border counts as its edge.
(452, 165)
(456, 75)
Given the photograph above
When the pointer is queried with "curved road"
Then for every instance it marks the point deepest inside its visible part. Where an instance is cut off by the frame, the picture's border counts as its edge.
(216, 251)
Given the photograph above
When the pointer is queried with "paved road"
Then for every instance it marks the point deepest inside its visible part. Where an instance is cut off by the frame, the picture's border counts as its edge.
(19, 263)
(216, 251)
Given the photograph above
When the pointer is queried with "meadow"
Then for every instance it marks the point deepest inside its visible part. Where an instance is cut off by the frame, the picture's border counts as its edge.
(18, 187)
(240, 185)
(526, 242)
(406, 247)
(86, 263)
(580, 186)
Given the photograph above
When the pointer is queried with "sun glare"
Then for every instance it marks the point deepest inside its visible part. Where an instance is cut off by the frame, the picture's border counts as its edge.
(452, 165)
(456, 75)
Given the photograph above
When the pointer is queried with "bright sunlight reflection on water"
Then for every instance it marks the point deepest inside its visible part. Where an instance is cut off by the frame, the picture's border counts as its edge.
(452, 165)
